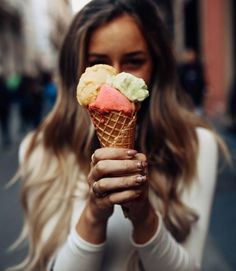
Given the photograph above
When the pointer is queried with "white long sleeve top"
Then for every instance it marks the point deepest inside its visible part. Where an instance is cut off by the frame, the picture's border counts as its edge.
(161, 252)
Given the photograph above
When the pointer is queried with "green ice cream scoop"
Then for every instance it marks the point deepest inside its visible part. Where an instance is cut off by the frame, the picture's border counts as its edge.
(132, 87)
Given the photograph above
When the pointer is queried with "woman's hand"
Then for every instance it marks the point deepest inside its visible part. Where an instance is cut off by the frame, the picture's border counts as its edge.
(118, 176)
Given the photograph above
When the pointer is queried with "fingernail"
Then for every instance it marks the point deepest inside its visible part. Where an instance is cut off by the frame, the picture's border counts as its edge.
(132, 152)
(141, 164)
(144, 164)
(140, 179)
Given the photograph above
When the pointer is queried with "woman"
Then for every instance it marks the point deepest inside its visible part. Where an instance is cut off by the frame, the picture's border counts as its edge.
(73, 204)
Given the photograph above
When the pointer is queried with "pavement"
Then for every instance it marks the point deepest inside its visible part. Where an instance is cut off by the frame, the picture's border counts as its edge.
(221, 242)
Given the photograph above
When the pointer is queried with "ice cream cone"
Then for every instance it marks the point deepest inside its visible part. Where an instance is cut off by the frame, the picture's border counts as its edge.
(114, 129)
(113, 100)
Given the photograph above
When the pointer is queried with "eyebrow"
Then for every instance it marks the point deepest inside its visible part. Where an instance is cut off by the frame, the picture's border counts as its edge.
(131, 54)
(97, 55)
(136, 53)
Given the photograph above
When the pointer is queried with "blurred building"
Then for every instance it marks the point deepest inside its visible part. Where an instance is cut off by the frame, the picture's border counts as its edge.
(208, 26)
(11, 35)
(60, 14)
(31, 32)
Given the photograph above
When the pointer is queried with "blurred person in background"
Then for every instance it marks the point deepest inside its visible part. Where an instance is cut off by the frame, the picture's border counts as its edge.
(30, 99)
(49, 91)
(5, 111)
(13, 82)
(73, 191)
(192, 79)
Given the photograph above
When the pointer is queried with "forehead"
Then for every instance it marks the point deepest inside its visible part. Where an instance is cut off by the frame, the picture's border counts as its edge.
(121, 33)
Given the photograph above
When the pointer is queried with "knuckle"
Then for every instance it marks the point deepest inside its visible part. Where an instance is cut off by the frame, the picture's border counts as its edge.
(90, 179)
(100, 185)
(96, 155)
(110, 200)
(100, 168)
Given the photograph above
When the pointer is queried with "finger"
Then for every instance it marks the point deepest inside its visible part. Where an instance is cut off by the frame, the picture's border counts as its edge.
(141, 157)
(117, 168)
(96, 191)
(113, 154)
(107, 185)
(123, 197)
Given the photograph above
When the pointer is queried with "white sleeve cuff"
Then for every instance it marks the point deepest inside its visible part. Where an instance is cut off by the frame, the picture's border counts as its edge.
(79, 255)
(154, 237)
(75, 242)
(163, 251)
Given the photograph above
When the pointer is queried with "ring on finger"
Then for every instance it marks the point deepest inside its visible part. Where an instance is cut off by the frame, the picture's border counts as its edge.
(96, 192)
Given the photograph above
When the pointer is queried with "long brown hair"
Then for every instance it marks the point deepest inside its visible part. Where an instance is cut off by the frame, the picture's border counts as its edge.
(66, 139)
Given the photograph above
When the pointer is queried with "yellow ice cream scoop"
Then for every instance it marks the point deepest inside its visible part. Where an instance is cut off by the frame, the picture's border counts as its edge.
(91, 81)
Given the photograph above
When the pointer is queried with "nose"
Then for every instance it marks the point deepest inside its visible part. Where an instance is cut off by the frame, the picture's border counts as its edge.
(117, 66)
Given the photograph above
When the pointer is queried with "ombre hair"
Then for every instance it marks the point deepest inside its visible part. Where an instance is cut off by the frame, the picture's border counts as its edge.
(58, 153)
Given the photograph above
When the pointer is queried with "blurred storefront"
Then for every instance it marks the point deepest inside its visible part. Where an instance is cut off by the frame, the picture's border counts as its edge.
(208, 26)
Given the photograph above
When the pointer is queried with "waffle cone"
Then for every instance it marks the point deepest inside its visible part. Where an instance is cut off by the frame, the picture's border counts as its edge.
(114, 129)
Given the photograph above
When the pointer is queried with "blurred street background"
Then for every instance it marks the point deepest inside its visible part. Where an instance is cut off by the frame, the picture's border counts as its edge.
(203, 34)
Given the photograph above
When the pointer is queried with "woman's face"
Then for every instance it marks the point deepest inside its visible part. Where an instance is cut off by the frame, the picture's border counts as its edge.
(120, 44)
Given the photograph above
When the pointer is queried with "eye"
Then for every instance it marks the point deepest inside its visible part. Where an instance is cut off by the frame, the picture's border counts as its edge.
(92, 63)
(134, 63)
(97, 60)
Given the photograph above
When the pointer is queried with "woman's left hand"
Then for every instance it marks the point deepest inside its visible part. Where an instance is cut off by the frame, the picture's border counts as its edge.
(138, 209)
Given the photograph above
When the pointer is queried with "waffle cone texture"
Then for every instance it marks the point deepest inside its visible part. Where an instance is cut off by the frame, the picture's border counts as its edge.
(114, 129)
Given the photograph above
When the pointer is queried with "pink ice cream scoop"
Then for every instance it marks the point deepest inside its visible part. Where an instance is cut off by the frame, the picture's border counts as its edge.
(110, 99)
